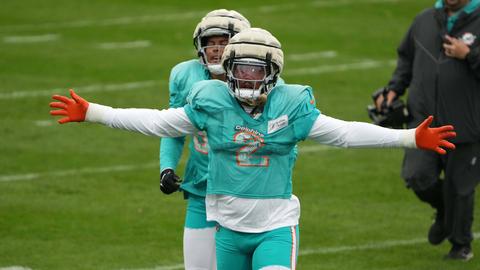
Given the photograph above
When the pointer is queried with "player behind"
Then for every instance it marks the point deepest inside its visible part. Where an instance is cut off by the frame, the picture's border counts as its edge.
(209, 38)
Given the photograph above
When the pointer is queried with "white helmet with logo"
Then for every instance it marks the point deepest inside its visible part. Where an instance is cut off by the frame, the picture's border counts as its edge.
(220, 22)
(253, 60)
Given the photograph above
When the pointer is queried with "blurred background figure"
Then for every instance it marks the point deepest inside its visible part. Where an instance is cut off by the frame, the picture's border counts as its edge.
(439, 62)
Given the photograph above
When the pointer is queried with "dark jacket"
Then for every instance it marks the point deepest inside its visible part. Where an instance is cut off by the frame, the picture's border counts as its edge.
(445, 87)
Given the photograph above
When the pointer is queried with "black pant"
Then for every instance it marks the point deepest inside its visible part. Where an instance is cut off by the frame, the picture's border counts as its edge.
(455, 197)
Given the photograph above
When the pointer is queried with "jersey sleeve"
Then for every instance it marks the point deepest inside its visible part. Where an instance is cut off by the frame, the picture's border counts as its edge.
(171, 148)
(197, 115)
(335, 132)
(161, 123)
(205, 100)
(175, 85)
(170, 152)
(305, 114)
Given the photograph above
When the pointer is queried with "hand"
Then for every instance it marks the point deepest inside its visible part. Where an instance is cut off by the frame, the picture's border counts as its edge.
(169, 181)
(391, 95)
(455, 48)
(74, 109)
(434, 138)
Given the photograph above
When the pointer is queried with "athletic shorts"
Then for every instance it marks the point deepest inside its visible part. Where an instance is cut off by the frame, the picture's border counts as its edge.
(196, 217)
(245, 251)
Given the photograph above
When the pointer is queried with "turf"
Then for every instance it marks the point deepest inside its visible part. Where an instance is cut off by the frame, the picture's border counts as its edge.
(86, 197)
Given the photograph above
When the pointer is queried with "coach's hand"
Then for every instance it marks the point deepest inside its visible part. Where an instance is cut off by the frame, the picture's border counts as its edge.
(455, 48)
(434, 138)
(169, 181)
(74, 109)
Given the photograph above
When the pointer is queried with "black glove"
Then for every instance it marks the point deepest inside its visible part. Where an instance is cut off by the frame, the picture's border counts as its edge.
(169, 181)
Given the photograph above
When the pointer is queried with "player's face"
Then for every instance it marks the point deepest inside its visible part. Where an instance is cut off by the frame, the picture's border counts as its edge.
(455, 5)
(214, 48)
(249, 75)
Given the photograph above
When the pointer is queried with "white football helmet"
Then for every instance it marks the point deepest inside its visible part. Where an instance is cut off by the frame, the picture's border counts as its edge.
(220, 22)
(253, 60)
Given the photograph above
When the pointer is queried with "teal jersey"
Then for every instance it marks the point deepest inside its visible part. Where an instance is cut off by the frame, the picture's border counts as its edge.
(280, 81)
(183, 76)
(251, 158)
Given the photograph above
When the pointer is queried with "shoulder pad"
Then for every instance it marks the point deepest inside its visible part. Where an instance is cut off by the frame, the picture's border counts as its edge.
(184, 68)
(293, 99)
(210, 95)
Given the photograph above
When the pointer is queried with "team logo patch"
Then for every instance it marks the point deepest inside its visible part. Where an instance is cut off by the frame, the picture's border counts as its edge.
(468, 38)
(277, 124)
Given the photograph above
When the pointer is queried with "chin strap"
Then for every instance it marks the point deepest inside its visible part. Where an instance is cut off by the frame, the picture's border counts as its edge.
(216, 69)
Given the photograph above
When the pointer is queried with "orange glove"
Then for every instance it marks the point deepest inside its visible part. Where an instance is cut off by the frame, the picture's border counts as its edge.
(434, 138)
(74, 109)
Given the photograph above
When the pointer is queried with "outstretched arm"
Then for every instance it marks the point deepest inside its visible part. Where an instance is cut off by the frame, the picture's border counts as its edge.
(164, 123)
(331, 131)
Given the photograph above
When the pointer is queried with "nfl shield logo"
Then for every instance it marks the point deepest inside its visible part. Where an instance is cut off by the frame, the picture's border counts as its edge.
(468, 38)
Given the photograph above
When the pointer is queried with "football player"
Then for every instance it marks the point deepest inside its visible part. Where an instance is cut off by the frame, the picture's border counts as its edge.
(252, 127)
(209, 38)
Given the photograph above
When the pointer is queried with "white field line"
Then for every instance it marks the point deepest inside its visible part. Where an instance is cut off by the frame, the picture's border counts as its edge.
(178, 16)
(311, 56)
(83, 89)
(322, 3)
(125, 45)
(118, 168)
(379, 245)
(31, 39)
(105, 22)
(333, 250)
(44, 123)
(306, 252)
(368, 64)
(168, 267)
(15, 268)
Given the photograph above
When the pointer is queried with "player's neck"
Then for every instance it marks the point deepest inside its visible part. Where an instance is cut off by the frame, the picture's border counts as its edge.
(455, 9)
(221, 77)
(254, 111)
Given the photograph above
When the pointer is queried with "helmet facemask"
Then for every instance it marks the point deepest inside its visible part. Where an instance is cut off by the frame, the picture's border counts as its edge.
(250, 80)
(259, 53)
(213, 65)
(210, 55)
(220, 22)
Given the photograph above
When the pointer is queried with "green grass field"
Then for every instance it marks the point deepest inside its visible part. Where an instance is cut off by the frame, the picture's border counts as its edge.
(87, 197)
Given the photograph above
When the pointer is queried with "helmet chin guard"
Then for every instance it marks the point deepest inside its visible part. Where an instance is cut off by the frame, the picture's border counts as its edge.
(215, 69)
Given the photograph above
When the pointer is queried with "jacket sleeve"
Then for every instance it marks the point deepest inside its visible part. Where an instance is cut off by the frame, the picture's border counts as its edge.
(473, 60)
(402, 75)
